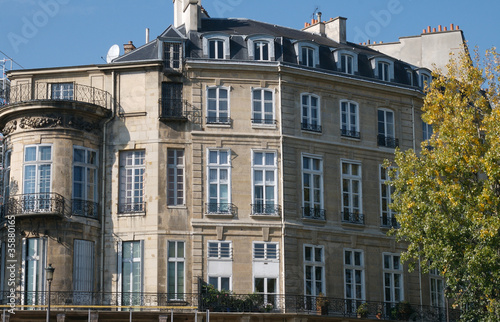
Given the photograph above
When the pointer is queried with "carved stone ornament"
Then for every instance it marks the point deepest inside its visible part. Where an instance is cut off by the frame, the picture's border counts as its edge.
(39, 122)
(10, 127)
(79, 124)
(51, 121)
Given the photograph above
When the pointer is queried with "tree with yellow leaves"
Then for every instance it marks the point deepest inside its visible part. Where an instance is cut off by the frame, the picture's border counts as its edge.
(448, 195)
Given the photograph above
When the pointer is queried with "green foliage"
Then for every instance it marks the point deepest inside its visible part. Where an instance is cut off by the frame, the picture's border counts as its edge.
(448, 196)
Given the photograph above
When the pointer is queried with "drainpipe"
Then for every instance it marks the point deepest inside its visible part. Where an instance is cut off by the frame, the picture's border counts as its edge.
(103, 169)
(282, 259)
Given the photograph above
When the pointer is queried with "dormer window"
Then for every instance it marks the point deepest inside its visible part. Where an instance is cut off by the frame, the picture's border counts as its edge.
(347, 61)
(409, 75)
(424, 78)
(216, 46)
(308, 54)
(261, 48)
(384, 68)
(172, 54)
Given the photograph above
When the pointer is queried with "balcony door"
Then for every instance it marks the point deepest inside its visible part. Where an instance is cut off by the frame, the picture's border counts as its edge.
(37, 178)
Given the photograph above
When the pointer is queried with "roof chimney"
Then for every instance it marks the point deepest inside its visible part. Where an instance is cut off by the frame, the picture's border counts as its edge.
(147, 35)
(336, 29)
(187, 13)
(128, 47)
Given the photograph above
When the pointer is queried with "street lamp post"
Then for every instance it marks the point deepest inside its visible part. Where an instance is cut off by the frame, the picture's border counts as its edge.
(49, 271)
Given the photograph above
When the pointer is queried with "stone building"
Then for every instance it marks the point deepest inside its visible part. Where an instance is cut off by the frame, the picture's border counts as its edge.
(232, 152)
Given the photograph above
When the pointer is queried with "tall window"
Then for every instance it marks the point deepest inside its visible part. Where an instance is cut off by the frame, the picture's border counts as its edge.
(172, 54)
(175, 274)
(387, 218)
(346, 63)
(314, 270)
(437, 288)
(354, 278)
(262, 106)
(383, 71)
(34, 258)
(310, 113)
(217, 105)
(175, 177)
(307, 56)
(425, 80)
(216, 48)
(261, 50)
(132, 167)
(84, 182)
(131, 268)
(393, 278)
(37, 178)
(264, 183)
(349, 126)
(426, 131)
(409, 75)
(6, 177)
(386, 135)
(219, 180)
(171, 100)
(351, 193)
(83, 267)
(312, 188)
(220, 264)
(62, 91)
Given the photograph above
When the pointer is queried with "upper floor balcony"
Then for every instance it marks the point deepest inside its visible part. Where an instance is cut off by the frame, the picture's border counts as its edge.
(36, 204)
(66, 92)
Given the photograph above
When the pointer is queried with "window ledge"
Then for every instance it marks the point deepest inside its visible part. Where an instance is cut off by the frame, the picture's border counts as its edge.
(219, 215)
(221, 125)
(177, 207)
(132, 214)
(352, 138)
(264, 126)
(314, 221)
(312, 132)
(265, 216)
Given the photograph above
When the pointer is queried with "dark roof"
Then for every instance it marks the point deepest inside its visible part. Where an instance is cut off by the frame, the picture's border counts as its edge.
(147, 52)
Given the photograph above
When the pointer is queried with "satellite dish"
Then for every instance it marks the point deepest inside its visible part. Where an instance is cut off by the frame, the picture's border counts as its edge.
(113, 53)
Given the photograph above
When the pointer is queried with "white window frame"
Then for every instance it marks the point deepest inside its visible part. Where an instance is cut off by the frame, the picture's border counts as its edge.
(176, 177)
(30, 296)
(316, 208)
(169, 54)
(376, 67)
(131, 300)
(128, 198)
(269, 40)
(219, 258)
(218, 167)
(427, 131)
(354, 300)
(436, 288)
(90, 164)
(174, 258)
(6, 177)
(314, 264)
(216, 37)
(262, 102)
(266, 206)
(348, 181)
(37, 199)
(387, 215)
(315, 53)
(338, 54)
(424, 78)
(346, 126)
(388, 127)
(409, 74)
(223, 250)
(219, 281)
(265, 251)
(218, 100)
(392, 272)
(62, 91)
(309, 108)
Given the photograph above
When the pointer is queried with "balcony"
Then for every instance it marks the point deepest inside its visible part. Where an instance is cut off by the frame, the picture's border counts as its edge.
(225, 120)
(36, 204)
(263, 122)
(265, 210)
(84, 208)
(311, 127)
(38, 92)
(353, 218)
(387, 141)
(173, 110)
(388, 222)
(313, 213)
(349, 134)
(131, 208)
(220, 209)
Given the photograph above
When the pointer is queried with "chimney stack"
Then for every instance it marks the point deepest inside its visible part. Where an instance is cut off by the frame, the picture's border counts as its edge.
(147, 35)
(128, 47)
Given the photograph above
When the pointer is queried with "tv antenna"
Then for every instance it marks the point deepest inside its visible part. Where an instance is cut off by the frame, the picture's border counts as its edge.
(113, 53)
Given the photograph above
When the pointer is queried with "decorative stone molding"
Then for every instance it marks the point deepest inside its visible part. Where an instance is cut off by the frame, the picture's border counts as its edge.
(51, 121)
(9, 127)
(79, 124)
(39, 122)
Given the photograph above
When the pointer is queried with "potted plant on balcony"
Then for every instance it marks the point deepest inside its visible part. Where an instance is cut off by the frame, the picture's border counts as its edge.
(362, 310)
(322, 304)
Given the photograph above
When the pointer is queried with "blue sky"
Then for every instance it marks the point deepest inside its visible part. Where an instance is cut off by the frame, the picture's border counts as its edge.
(51, 33)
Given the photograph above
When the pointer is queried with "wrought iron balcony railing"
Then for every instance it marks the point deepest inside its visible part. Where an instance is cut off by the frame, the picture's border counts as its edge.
(388, 222)
(218, 120)
(353, 218)
(173, 109)
(84, 208)
(313, 213)
(387, 141)
(265, 210)
(349, 133)
(22, 93)
(221, 301)
(311, 127)
(36, 204)
(219, 208)
(131, 207)
(264, 121)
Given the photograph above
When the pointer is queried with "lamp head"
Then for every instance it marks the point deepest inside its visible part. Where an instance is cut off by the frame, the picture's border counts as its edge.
(49, 272)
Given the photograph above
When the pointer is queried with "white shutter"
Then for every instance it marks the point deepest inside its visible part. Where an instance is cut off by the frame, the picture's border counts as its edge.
(83, 266)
